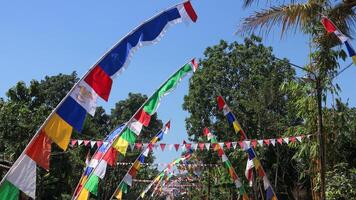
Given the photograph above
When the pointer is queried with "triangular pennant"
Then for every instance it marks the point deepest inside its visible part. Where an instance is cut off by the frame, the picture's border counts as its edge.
(201, 146)
(80, 142)
(286, 140)
(254, 143)
(176, 146)
(247, 144)
(99, 143)
(273, 142)
(73, 142)
(260, 142)
(299, 138)
(234, 144)
(170, 147)
(242, 145)
(86, 142)
(194, 146)
(207, 146)
(92, 144)
(162, 145)
(292, 139)
(228, 145)
(280, 140)
(267, 142)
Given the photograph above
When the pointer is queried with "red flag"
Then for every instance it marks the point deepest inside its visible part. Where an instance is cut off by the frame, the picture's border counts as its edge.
(220, 152)
(40, 150)
(176, 146)
(86, 142)
(138, 146)
(99, 143)
(73, 142)
(143, 117)
(201, 146)
(206, 131)
(162, 146)
(328, 25)
(228, 145)
(221, 102)
(241, 143)
(280, 140)
(267, 141)
(292, 139)
(254, 143)
(100, 82)
(110, 156)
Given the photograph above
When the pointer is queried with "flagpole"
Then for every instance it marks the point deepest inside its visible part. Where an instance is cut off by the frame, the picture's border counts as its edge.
(125, 126)
(117, 188)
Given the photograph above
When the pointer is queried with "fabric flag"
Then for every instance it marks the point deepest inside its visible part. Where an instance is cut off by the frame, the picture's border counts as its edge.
(92, 184)
(132, 172)
(230, 117)
(22, 176)
(249, 171)
(331, 28)
(8, 191)
(150, 107)
(98, 81)
(40, 150)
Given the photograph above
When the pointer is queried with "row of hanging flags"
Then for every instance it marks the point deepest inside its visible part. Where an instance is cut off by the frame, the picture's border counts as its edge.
(130, 131)
(330, 27)
(252, 161)
(200, 145)
(71, 112)
(166, 173)
(235, 178)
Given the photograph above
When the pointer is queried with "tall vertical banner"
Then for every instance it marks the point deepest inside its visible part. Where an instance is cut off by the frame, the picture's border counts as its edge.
(142, 117)
(252, 158)
(71, 112)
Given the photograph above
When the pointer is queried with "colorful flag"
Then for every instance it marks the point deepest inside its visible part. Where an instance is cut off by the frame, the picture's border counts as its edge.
(150, 107)
(331, 28)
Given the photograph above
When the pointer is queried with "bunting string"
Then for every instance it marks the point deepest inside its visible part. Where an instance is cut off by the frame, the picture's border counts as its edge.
(227, 145)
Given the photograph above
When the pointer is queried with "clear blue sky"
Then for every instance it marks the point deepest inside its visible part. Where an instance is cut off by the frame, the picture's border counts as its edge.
(40, 38)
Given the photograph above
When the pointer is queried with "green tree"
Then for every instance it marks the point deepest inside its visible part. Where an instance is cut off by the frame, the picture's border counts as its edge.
(26, 107)
(248, 76)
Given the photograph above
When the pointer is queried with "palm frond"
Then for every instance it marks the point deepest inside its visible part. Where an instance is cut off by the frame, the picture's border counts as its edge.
(248, 3)
(286, 16)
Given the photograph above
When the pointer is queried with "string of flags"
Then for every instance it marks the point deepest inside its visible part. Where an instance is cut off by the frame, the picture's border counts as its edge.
(331, 28)
(228, 145)
(189, 165)
(166, 172)
(235, 178)
(126, 182)
(71, 112)
(133, 127)
(252, 158)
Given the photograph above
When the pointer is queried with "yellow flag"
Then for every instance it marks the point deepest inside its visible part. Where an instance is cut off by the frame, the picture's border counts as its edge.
(59, 131)
(119, 195)
(84, 194)
(236, 126)
(121, 145)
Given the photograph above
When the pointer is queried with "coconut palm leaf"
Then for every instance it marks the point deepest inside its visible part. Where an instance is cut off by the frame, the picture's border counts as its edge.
(286, 16)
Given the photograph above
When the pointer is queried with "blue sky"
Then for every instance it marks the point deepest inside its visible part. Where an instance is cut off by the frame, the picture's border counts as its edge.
(40, 38)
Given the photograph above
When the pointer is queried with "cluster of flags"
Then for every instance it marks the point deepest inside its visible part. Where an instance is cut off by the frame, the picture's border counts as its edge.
(189, 165)
(331, 28)
(166, 172)
(235, 178)
(70, 114)
(130, 131)
(89, 183)
(142, 118)
(252, 158)
(132, 172)
(204, 146)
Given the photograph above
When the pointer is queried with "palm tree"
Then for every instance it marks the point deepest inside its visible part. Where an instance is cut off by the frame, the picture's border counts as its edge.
(305, 16)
